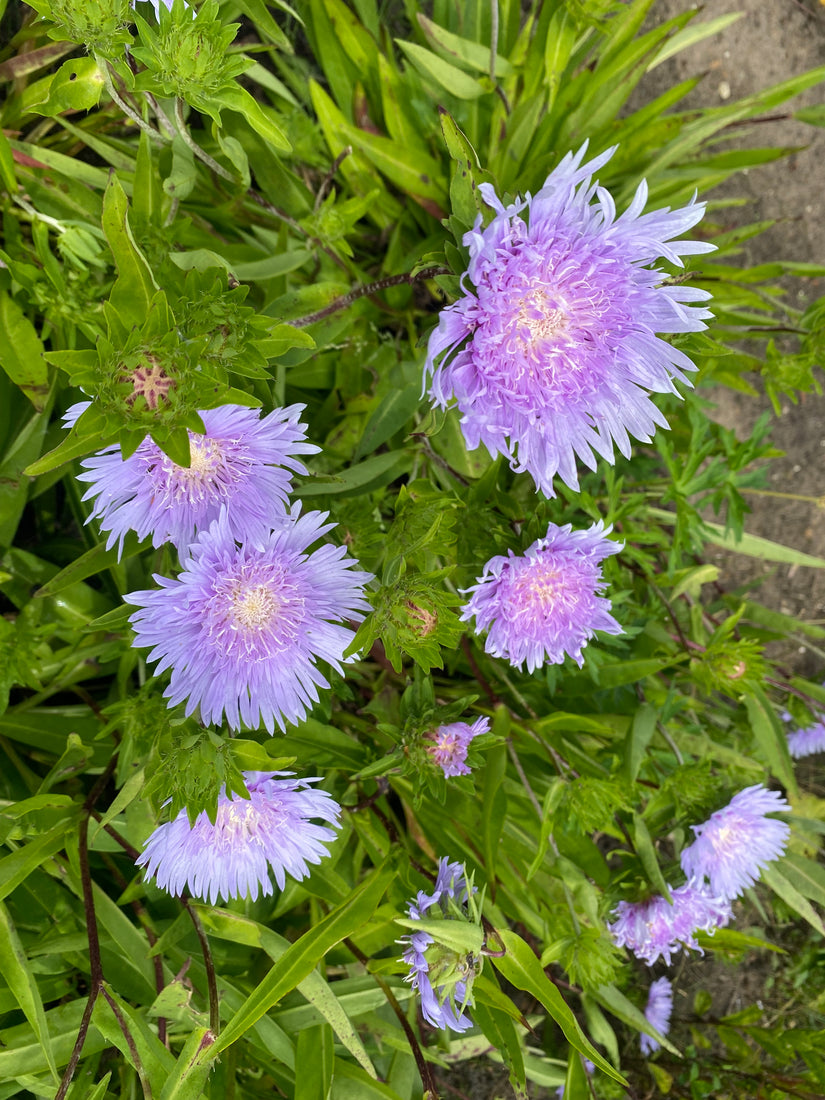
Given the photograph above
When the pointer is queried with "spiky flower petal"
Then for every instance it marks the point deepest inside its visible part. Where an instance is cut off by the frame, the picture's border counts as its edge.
(437, 1005)
(657, 1013)
(243, 463)
(553, 353)
(654, 928)
(734, 845)
(448, 745)
(546, 603)
(808, 741)
(271, 831)
(242, 627)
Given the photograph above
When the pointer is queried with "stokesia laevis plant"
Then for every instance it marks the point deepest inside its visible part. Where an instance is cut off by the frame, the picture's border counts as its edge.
(545, 603)
(552, 352)
(242, 627)
(271, 831)
(656, 928)
(658, 1011)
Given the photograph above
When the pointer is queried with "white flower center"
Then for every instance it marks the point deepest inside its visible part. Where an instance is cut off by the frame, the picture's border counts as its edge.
(541, 316)
(254, 607)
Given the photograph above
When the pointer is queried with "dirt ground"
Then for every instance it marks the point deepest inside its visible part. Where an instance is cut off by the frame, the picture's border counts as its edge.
(773, 41)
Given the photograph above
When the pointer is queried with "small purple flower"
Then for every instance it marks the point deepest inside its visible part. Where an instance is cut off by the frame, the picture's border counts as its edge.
(552, 353)
(242, 627)
(74, 412)
(808, 741)
(546, 603)
(436, 1004)
(654, 928)
(448, 745)
(243, 463)
(657, 1013)
(735, 843)
(271, 831)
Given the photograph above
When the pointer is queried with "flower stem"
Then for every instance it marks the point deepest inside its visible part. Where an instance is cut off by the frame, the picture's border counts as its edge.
(130, 112)
(367, 289)
(201, 154)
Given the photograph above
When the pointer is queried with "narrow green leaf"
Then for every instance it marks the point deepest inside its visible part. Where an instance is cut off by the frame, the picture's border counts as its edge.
(361, 478)
(647, 854)
(638, 738)
(752, 545)
(770, 736)
(465, 53)
(303, 955)
(18, 976)
(261, 119)
(460, 936)
(19, 865)
(447, 76)
(521, 968)
(807, 876)
(91, 563)
(135, 286)
(615, 1002)
(392, 414)
(494, 800)
(792, 897)
(7, 176)
(21, 352)
(192, 1068)
(314, 1055)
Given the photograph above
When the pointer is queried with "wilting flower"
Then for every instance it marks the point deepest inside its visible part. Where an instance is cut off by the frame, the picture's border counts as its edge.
(808, 741)
(657, 1013)
(272, 830)
(735, 843)
(448, 745)
(242, 462)
(443, 1004)
(654, 928)
(242, 627)
(545, 604)
(552, 353)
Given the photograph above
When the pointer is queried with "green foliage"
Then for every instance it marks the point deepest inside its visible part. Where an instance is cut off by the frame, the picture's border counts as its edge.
(176, 239)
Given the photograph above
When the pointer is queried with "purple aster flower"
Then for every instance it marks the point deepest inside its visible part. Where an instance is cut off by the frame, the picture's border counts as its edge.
(270, 831)
(553, 352)
(657, 1013)
(448, 745)
(654, 928)
(734, 845)
(242, 627)
(437, 1005)
(242, 462)
(808, 741)
(545, 604)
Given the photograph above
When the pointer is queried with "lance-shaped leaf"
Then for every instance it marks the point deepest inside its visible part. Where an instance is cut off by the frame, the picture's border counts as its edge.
(135, 286)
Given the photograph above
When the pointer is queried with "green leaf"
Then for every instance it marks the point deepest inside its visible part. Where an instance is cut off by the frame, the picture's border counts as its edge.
(643, 844)
(303, 955)
(449, 78)
(615, 1002)
(752, 545)
(792, 897)
(76, 86)
(314, 1055)
(7, 176)
(521, 968)
(460, 936)
(770, 736)
(21, 352)
(494, 799)
(19, 865)
(91, 563)
(260, 118)
(18, 976)
(192, 1068)
(361, 478)
(638, 738)
(73, 446)
(135, 286)
(394, 411)
(807, 876)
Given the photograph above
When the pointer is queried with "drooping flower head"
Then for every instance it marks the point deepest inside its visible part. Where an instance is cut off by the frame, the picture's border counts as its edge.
(441, 1004)
(242, 627)
(272, 831)
(553, 352)
(448, 745)
(654, 928)
(243, 463)
(734, 845)
(657, 1013)
(808, 741)
(546, 603)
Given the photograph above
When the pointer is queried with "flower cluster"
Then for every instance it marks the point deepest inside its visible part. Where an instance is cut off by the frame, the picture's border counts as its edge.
(658, 1011)
(272, 829)
(448, 745)
(430, 962)
(552, 353)
(546, 603)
